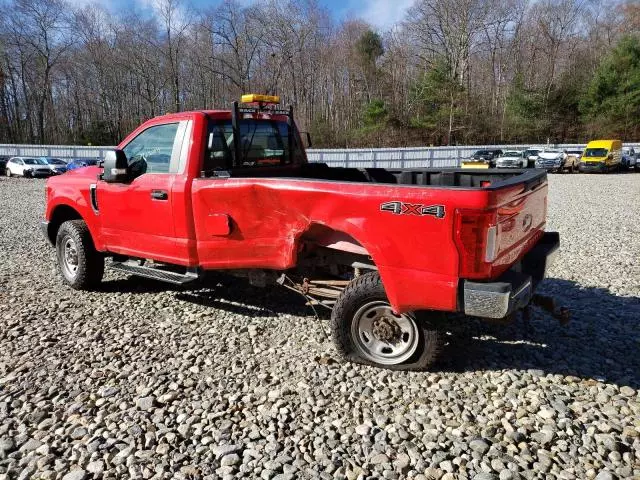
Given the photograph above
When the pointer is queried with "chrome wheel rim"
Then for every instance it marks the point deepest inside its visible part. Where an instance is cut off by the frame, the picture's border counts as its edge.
(70, 257)
(382, 336)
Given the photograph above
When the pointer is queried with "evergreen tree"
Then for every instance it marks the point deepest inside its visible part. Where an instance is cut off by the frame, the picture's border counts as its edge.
(612, 101)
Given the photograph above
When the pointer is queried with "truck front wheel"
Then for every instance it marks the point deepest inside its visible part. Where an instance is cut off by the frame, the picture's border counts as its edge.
(366, 330)
(80, 265)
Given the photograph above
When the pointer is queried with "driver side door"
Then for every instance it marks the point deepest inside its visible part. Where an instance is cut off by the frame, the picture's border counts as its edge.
(17, 166)
(137, 216)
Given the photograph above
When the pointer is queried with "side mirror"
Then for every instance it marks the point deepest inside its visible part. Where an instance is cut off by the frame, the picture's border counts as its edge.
(306, 139)
(116, 168)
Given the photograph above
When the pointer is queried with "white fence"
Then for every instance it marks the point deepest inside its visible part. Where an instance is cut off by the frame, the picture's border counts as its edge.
(57, 151)
(436, 157)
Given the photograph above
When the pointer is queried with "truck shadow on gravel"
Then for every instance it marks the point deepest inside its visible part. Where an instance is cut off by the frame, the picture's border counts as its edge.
(223, 292)
(601, 341)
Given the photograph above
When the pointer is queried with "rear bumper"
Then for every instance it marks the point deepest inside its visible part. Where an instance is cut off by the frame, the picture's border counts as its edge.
(512, 290)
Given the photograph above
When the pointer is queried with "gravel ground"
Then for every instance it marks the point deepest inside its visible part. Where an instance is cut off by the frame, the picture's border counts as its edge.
(231, 381)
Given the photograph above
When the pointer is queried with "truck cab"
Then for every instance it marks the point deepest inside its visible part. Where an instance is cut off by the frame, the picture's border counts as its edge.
(386, 251)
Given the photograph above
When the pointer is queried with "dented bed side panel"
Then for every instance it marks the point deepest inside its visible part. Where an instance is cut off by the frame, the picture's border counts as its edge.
(407, 231)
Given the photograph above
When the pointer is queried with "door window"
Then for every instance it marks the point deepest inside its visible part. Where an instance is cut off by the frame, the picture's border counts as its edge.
(152, 150)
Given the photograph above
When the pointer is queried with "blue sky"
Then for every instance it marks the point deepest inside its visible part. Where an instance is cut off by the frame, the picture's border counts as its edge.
(381, 13)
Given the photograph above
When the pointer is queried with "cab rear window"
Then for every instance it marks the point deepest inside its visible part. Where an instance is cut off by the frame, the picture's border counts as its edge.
(261, 143)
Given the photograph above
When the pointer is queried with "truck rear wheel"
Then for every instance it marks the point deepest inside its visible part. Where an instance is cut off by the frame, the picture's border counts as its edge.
(366, 330)
(80, 265)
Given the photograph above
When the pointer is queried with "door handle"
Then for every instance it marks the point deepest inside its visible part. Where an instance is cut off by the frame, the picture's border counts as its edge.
(159, 194)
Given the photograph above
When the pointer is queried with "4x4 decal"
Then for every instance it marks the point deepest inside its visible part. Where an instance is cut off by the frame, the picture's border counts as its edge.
(401, 208)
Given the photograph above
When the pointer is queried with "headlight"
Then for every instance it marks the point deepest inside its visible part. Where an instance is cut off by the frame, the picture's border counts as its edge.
(28, 169)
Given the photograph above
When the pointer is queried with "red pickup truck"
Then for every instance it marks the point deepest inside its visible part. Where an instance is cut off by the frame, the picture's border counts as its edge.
(386, 250)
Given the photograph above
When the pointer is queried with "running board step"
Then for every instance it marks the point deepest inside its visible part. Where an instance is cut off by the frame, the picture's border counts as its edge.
(155, 273)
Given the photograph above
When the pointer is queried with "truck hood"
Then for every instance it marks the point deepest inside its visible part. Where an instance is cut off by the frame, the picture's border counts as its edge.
(78, 176)
(90, 171)
(549, 155)
(593, 159)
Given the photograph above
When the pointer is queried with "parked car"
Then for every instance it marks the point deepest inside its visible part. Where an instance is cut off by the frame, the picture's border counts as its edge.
(512, 159)
(233, 190)
(601, 156)
(56, 165)
(27, 167)
(81, 162)
(487, 155)
(3, 165)
(629, 158)
(531, 154)
(552, 160)
(572, 162)
(575, 153)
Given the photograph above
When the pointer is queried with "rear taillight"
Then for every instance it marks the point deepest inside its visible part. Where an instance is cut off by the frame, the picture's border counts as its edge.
(477, 243)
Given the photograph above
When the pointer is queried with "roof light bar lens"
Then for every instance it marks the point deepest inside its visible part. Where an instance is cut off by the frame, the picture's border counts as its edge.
(255, 98)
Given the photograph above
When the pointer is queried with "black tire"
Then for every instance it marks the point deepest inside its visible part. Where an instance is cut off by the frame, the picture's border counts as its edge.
(74, 239)
(368, 290)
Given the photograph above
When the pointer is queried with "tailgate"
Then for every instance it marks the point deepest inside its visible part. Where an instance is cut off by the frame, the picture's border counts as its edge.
(520, 220)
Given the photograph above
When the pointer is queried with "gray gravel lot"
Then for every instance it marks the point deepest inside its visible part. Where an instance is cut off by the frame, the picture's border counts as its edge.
(230, 381)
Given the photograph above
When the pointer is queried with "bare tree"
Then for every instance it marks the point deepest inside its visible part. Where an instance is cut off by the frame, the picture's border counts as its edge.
(176, 20)
(453, 71)
(39, 34)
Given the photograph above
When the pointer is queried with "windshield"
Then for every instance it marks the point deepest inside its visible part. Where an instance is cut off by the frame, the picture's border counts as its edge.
(531, 152)
(262, 143)
(482, 152)
(574, 152)
(512, 154)
(595, 152)
(54, 161)
(34, 161)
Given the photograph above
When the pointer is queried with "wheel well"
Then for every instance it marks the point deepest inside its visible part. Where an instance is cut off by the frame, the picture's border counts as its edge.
(323, 236)
(328, 246)
(60, 215)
